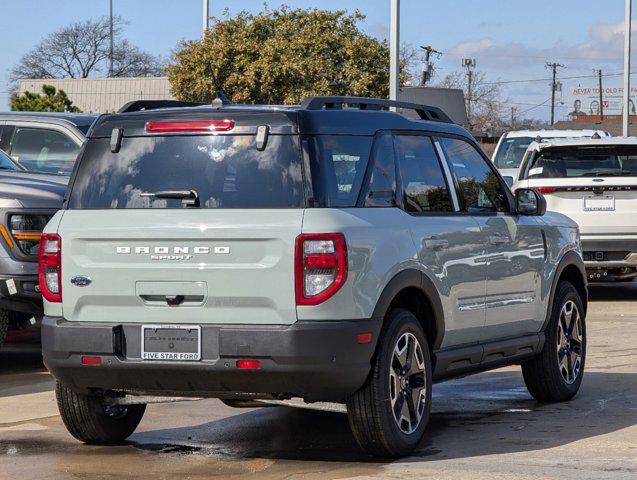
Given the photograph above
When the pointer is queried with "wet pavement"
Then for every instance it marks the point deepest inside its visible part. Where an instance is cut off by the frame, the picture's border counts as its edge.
(482, 427)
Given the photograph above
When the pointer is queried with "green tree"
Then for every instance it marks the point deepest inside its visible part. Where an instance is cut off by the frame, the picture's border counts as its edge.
(50, 100)
(281, 56)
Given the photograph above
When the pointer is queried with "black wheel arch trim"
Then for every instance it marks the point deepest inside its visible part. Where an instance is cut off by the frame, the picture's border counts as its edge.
(570, 258)
(412, 278)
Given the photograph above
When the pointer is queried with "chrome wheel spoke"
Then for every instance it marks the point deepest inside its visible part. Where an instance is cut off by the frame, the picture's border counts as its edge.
(570, 342)
(407, 383)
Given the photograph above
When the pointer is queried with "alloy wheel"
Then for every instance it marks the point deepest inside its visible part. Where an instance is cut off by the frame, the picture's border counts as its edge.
(407, 385)
(569, 342)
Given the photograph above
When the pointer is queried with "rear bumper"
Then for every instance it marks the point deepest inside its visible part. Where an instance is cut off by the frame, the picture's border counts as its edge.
(617, 253)
(319, 360)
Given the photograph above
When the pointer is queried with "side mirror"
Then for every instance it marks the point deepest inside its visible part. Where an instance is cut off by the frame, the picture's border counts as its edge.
(530, 202)
(508, 180)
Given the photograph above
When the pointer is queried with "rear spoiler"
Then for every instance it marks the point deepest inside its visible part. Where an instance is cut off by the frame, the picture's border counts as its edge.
(139, 105)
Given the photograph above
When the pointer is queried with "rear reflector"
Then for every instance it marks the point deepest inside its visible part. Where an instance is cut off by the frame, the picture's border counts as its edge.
(364, 338)
(545, 190)
(190, 126)
(248, 364)
(91, 360)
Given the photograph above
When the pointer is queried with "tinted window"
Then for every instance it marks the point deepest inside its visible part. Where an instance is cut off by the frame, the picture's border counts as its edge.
(44, 151)
(424, 184)
(225, 171)
(563, 162)
(479, 187)
(338, 165)
(7, 164)
(382, 182)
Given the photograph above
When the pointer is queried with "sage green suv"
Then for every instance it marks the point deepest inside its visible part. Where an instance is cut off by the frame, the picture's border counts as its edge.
(332, 251)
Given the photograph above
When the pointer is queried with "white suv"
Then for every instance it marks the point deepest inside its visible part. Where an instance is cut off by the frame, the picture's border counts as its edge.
(512, 146)
(593, 181)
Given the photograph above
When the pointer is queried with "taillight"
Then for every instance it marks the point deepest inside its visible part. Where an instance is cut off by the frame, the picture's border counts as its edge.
(321, 266)
(50, 271)
(545, 190)
(190, 126)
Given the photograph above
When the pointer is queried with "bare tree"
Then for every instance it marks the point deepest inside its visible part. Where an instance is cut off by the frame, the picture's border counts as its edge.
(488, 105)
(81, 50)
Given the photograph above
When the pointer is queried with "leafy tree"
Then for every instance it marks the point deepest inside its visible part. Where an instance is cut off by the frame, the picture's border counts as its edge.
(281, 56)
(51, 100)
(81, 50)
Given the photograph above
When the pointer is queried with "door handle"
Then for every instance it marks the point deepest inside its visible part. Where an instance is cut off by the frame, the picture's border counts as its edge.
(498, 240)
(436, 243)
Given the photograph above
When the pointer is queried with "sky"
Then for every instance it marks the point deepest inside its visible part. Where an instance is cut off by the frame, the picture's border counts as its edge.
(511, 40)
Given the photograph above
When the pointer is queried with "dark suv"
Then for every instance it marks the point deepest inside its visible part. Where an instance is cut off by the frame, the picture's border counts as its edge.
(37, 154)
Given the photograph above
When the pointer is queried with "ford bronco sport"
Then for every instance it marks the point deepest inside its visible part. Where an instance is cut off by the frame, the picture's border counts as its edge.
(332, 251)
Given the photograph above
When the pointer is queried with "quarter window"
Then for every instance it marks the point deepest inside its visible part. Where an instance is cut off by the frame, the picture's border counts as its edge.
(382, 182)
(479, 187)
(424, 185)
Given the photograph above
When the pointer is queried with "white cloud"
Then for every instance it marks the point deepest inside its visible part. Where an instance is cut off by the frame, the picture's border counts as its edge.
(603, 46)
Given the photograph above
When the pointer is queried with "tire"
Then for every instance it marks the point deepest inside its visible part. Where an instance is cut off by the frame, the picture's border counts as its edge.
(91, 421)
(370, 410)
(546, 378)
(4, 325)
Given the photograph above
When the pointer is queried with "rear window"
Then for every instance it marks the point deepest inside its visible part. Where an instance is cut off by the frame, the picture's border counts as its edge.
(226, 171)
(584, 162)
(338, 164)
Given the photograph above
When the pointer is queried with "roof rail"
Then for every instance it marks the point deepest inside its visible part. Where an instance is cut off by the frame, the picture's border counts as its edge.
(138, 105)
(425, 112)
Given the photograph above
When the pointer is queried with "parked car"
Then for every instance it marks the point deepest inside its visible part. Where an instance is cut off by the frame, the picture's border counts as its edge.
(43, 149)
(594, 182)
(330, 251)
(512, 146)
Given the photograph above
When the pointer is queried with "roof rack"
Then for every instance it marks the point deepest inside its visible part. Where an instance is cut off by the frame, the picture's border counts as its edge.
(138, 105)
(425, 112)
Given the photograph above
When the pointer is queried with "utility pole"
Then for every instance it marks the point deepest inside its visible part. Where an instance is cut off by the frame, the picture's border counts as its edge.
(627, 34)
(553, 66)
(394, 49)
(111, 49)
(601, 95)
(469, 64)
(513, 117)
(428, 68)
(206, 17)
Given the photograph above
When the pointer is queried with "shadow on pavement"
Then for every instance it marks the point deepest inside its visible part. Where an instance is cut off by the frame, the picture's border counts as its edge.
(604, 292)
(487, 414)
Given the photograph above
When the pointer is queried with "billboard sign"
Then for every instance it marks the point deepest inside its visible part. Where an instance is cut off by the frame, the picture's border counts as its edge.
(584, 101)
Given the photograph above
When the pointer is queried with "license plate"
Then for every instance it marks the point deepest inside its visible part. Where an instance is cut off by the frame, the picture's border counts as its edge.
(171, 342)
(599, 203)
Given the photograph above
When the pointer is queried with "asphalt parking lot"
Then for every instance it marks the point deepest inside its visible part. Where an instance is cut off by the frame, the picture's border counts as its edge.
(482, 427)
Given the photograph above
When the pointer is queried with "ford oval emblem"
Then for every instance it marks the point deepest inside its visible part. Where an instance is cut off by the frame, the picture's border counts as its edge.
(81, 281)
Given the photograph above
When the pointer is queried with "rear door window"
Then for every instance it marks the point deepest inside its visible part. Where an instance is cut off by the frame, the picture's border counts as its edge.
(226, 171)
(338, 164)
(424, 185)
(44, 150)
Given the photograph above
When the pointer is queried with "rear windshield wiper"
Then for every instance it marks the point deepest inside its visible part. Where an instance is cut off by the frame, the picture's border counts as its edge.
(189, 198)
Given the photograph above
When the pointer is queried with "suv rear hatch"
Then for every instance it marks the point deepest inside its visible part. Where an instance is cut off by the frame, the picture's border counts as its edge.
(174, 222)
(594, 185)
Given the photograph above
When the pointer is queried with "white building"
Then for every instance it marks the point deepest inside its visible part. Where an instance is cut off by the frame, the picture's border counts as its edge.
(103, 95)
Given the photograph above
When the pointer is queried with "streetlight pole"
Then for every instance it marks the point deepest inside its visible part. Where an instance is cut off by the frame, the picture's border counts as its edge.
(627, 35)
(206, 17)
(110, 51)
(394, 49)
